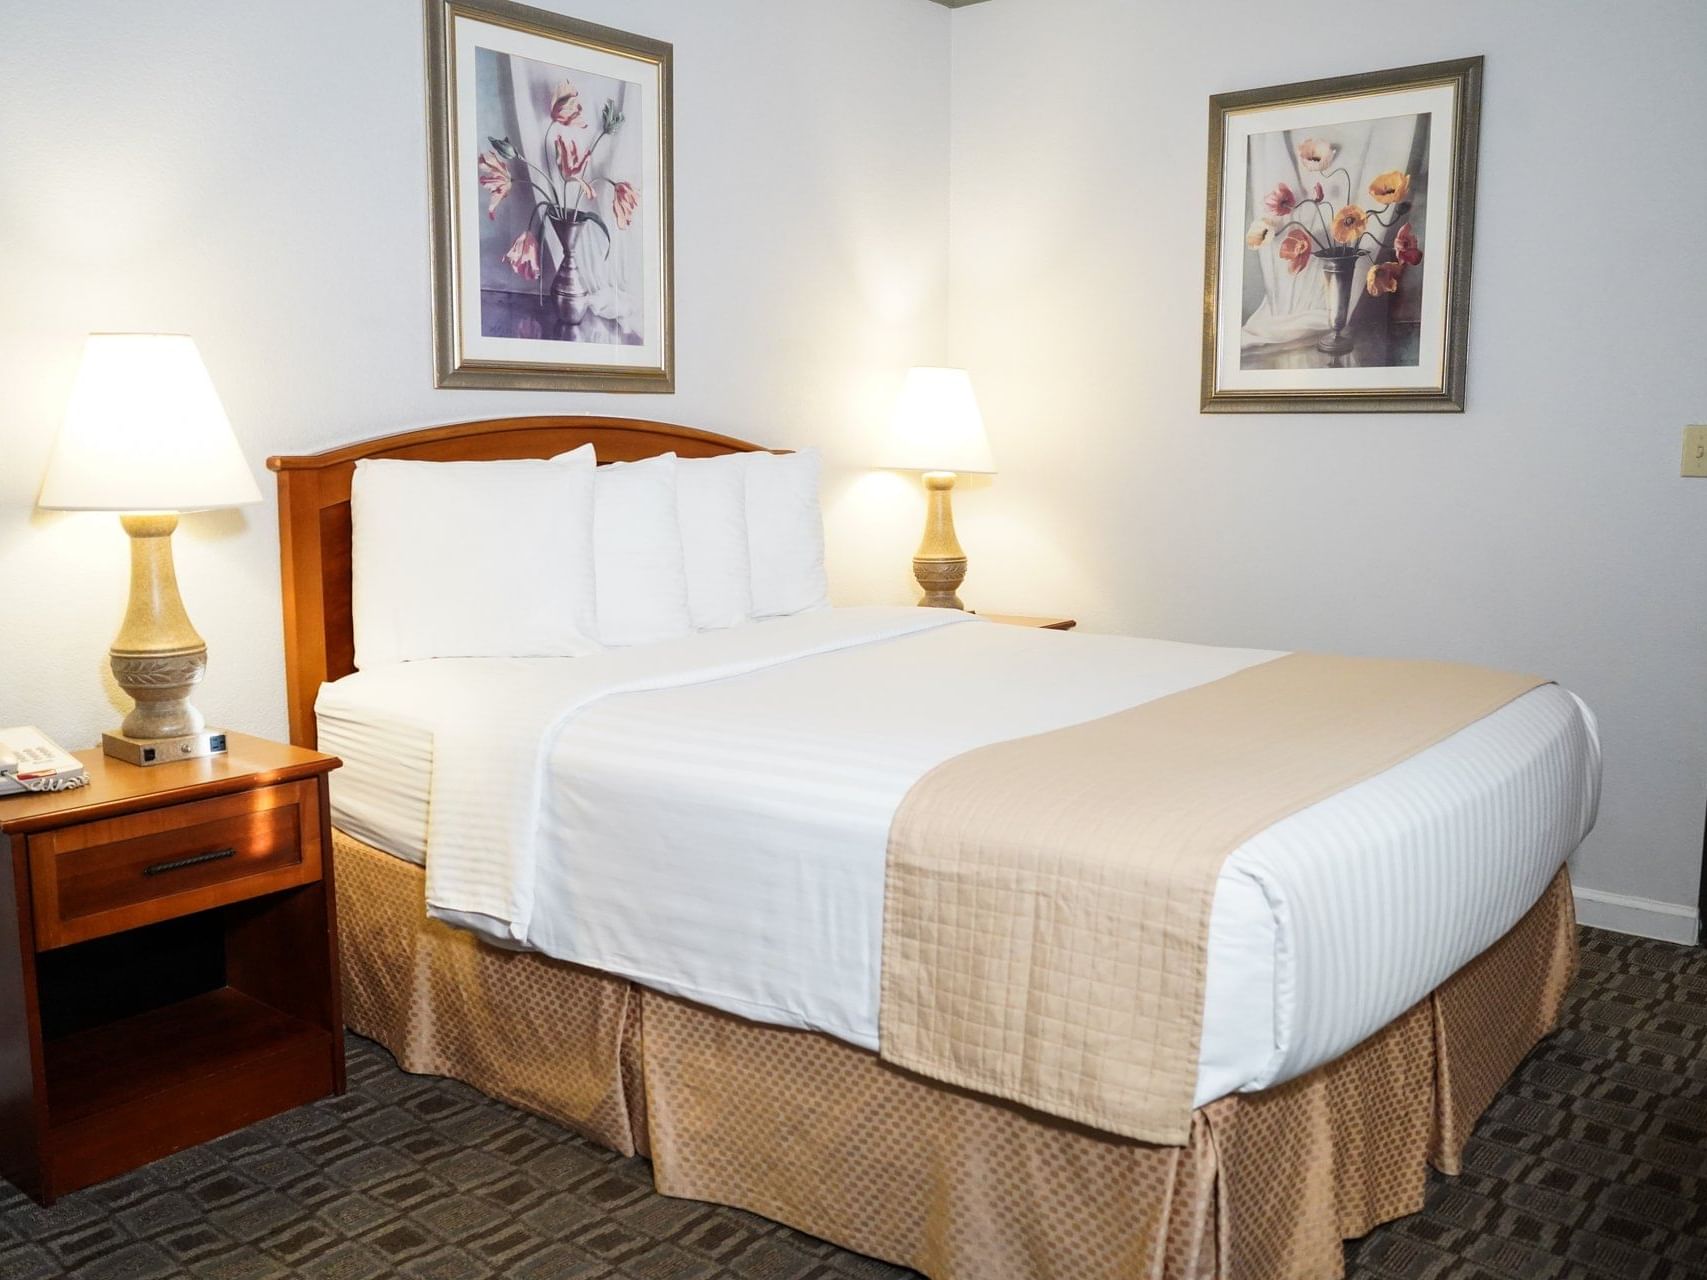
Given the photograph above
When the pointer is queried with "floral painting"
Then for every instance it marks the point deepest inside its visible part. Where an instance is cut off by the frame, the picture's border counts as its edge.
(552, 203)
(557, 260)
(1337, 218)
(1339, 251)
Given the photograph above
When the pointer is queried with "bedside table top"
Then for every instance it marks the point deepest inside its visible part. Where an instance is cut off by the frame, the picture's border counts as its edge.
(1027, 620)
(116, 787)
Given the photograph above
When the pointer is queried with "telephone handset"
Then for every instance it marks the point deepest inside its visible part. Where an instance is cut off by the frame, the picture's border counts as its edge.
(29, 761)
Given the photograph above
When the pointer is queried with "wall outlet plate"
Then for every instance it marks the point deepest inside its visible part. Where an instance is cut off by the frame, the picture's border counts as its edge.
(1695, 451)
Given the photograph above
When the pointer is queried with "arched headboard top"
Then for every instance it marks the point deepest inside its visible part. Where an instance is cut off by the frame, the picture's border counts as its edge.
(314, 519)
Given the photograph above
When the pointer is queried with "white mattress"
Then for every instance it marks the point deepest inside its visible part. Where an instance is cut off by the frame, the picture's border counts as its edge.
(723, 838)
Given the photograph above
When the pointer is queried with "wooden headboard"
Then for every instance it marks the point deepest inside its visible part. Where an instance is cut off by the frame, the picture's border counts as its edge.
(314, 520)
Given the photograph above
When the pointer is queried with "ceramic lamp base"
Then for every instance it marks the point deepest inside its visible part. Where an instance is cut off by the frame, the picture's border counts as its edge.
(152, 751)
(940, 565)
(157, 658)
(160, 682)
(941, 581)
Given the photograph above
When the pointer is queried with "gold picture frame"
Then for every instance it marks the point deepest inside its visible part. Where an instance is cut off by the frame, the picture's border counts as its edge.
(550, 169)
(1338, 235)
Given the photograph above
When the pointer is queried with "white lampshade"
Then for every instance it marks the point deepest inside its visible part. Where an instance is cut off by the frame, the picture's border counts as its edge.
(144, 431)
(937, 426)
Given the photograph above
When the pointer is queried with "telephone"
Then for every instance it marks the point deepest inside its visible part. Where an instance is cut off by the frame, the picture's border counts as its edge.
(29, 761)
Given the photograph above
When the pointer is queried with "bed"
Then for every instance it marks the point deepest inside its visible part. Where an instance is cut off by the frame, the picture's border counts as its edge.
(717, 1008)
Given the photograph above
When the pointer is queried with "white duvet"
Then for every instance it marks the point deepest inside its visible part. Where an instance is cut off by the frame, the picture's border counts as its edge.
(709, 816)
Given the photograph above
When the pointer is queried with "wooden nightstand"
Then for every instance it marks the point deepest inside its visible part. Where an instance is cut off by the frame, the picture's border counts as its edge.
(1025, 620)
(168, 960)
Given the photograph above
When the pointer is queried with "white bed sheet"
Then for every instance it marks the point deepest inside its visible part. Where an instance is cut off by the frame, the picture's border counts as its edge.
(724, 840)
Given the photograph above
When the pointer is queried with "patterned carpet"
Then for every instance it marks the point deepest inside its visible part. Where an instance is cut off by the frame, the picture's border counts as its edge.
(1592, 1163)
(1593, 1159)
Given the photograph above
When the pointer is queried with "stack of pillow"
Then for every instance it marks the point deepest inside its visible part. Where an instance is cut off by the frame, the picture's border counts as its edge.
(560, 558)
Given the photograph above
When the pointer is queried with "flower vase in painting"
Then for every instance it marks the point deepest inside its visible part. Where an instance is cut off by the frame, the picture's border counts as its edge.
(1324, 243)
(558, 261)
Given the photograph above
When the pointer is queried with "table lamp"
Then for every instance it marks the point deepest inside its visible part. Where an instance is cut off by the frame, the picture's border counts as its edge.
(145, 436)
(938, 430)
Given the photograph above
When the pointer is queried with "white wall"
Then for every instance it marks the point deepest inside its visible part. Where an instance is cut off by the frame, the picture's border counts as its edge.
(253, 172)
(1545, 529)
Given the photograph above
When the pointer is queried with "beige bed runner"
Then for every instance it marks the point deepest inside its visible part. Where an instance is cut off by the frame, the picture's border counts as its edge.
(1046, 912)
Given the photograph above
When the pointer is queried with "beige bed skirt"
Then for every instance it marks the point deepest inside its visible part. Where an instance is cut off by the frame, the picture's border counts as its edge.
(823, 1136)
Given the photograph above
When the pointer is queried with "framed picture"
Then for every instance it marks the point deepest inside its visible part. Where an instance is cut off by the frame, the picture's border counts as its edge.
(1337, 272)
(550, 166)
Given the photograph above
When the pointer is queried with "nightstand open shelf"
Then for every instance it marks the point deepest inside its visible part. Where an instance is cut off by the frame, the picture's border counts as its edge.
(175, 1051)
(140, 1061)
(174, 970)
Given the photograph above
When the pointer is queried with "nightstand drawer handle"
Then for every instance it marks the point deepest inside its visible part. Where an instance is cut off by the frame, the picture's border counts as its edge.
(161, 868)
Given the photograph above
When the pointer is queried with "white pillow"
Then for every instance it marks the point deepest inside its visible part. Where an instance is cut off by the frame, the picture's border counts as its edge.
(472, 559)
(711, 502)
(785, 533)
(637, 553)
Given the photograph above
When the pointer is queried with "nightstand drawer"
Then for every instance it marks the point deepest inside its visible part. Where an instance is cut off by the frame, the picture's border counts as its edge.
(102, 877)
